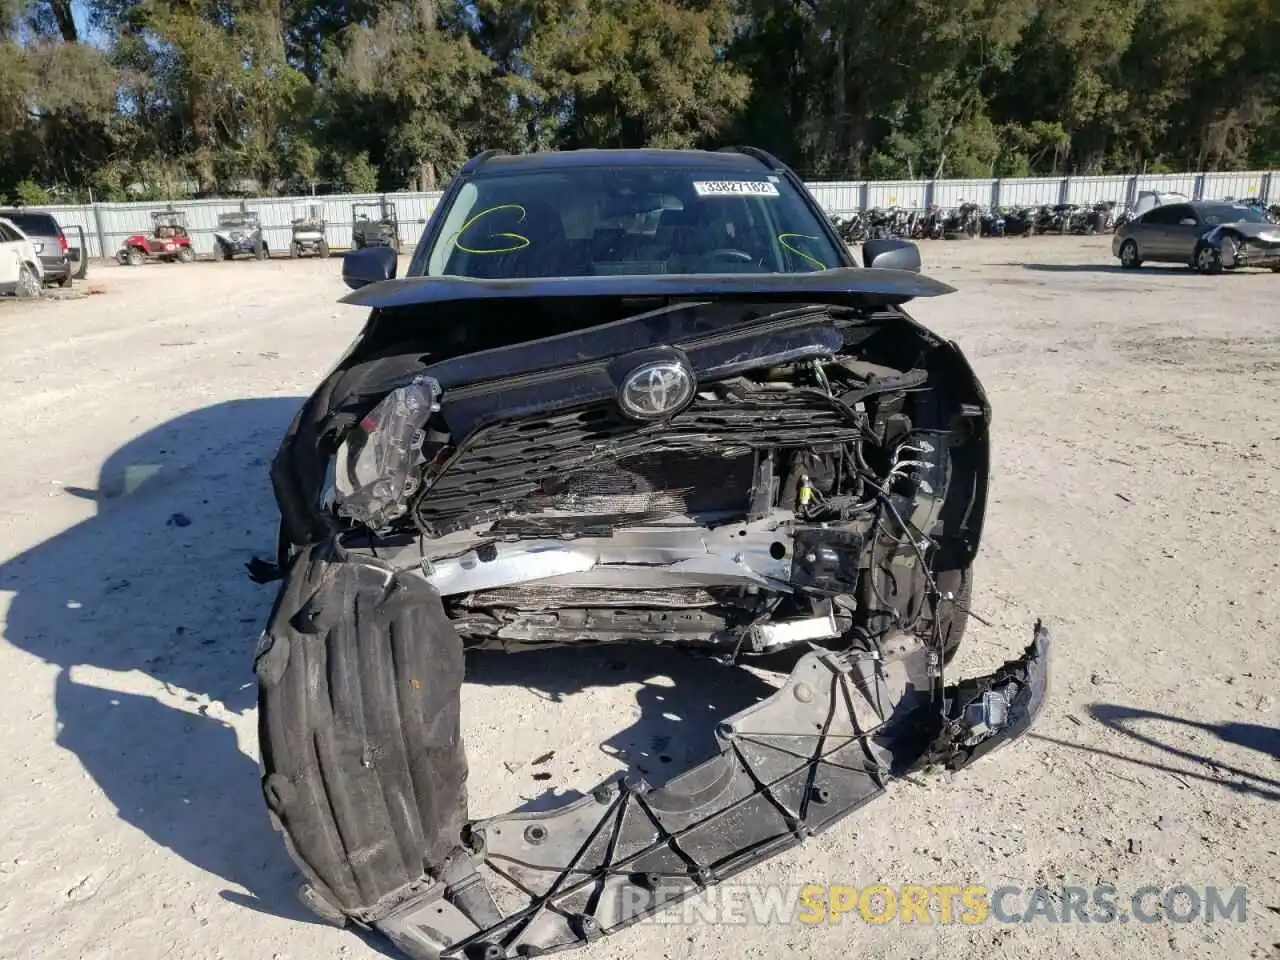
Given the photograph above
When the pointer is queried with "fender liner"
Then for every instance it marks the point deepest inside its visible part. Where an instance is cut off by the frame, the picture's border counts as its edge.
(360, 675)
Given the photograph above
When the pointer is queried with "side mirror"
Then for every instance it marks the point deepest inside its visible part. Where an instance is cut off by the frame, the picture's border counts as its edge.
(370, 265)
(891, 254)
(1187, 222)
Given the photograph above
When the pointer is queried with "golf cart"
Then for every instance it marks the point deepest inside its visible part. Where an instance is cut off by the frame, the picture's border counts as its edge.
(309, 235)
(374, 225)
(239, 234)
(169, 241)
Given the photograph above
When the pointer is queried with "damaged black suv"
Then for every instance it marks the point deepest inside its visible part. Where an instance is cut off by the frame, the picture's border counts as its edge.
(619, 396)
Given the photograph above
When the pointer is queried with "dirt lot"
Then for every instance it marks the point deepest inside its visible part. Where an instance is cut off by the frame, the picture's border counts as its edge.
(1137, 468)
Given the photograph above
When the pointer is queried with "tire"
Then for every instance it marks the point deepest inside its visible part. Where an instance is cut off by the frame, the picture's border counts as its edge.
(219, 252)
(29, 286)
(136, 258)
(294, 251)
(1129, 258)
(324, 249)
(65, 282)
(260, 251)
(363, 770)
(186, 255)
(1208, 260)
(1275, 268)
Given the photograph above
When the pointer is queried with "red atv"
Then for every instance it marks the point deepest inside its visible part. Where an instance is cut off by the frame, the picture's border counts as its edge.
(169, 241)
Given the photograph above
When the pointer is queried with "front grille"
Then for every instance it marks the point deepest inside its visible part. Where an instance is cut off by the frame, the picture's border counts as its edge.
(593, 463)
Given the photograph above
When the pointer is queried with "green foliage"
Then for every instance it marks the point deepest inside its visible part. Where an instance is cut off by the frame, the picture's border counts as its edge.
(219, 95)
(32, 194)
(359, 175)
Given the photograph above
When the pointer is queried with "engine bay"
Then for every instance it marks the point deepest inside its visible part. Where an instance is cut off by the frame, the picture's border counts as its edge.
(789, 503)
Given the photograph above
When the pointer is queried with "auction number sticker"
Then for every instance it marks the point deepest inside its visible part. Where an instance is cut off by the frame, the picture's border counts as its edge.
(734, 188)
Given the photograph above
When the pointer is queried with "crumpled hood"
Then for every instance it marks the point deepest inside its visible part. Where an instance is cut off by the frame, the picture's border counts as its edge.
(1266, 232)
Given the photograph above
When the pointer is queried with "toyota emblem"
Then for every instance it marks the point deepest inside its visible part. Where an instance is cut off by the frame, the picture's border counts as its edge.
(655, 391)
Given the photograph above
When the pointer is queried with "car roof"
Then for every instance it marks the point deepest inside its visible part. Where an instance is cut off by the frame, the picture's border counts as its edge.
(47, 220)
(647, 157)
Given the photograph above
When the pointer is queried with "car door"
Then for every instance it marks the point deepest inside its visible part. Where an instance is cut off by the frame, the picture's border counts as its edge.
(1184, 229)
(10, 255)
(1151, 230)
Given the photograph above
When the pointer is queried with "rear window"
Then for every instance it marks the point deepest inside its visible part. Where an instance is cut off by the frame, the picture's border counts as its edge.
(34, 224)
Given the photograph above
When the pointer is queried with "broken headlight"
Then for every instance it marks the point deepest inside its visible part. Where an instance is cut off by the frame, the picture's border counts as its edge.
(375, 469)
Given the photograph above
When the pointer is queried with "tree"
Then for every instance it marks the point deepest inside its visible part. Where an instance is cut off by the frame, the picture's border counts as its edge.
(386, 94)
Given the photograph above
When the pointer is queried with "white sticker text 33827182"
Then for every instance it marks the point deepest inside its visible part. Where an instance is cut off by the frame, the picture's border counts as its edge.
(734, 188)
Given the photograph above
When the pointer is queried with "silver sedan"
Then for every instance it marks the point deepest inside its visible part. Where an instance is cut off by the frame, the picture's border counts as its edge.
(1205, 234)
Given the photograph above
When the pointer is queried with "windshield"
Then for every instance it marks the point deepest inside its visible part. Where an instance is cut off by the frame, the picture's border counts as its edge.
(633, 220)
(1232, 213)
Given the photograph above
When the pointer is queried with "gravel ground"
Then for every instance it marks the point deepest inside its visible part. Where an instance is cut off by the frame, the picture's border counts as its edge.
(1137, 463)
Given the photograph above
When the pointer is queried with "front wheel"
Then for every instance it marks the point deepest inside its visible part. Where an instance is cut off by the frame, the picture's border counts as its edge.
(1208, 260)
(136, 259)
(186, 255)
(260, 251)
(219, 252)
(324, 249)
(1129, 258)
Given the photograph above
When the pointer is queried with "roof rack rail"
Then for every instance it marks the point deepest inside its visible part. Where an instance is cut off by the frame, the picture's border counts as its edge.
(768, 159)
(479, 160)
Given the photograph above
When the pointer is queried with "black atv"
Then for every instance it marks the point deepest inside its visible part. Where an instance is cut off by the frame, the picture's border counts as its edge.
(374, 225)
(239, 235)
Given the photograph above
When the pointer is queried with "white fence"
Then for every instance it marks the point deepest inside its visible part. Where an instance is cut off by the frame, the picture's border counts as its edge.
(106, 225)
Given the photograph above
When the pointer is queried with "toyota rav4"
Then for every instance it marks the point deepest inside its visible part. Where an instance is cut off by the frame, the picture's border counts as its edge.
(619, 396)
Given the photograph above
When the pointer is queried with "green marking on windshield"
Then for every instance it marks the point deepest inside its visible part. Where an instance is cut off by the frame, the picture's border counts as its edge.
(519, 241)
(817, 264)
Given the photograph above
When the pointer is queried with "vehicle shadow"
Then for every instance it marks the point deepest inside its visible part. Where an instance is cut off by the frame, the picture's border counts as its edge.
(153, 583)
(1251, 736)
(681, 695)
(1207, 769)
(1087, 268)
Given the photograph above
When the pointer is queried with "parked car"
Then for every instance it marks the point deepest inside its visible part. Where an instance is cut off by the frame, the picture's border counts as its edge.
(640, 396)
(1210, 235)
(168, 241)
(50, 242)
(309, 234)
(374, 225)
(238, 235)
(21, 272)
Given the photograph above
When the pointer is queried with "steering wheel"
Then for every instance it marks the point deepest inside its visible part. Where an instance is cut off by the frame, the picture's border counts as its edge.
(729, 253)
